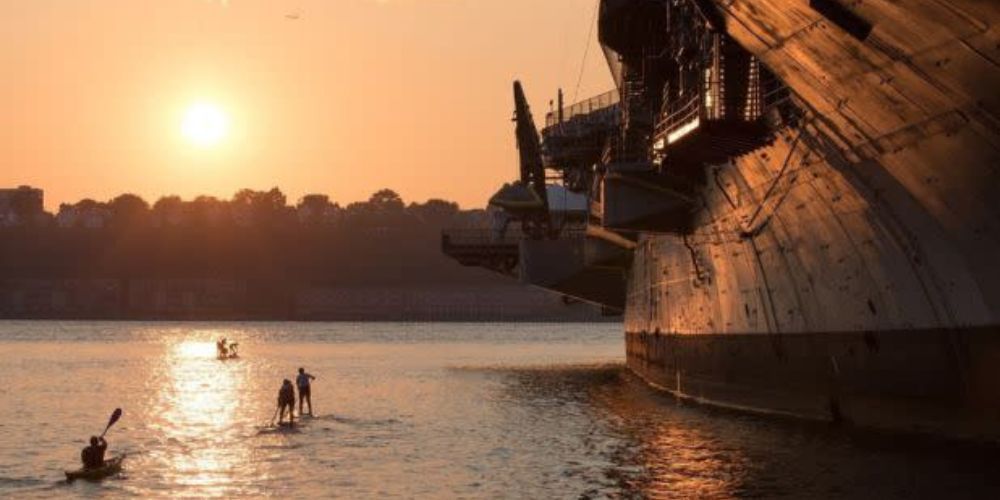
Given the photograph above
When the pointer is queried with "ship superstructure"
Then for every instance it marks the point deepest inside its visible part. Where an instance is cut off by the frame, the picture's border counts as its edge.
(794, 202)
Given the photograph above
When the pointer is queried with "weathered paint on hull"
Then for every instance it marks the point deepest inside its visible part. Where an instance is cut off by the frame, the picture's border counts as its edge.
(874, 223)
(795, 274)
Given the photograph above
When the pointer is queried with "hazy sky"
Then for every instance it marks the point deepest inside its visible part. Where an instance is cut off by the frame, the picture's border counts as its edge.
(350, 97)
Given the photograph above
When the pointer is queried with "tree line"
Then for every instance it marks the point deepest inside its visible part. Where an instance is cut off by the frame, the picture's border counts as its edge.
(384, 208)
(253, 235)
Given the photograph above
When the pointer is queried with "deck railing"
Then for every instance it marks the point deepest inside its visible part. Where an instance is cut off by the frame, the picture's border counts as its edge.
(680, 120)
(587, 106)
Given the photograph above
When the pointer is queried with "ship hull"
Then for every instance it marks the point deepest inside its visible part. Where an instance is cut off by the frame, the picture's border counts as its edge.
(824, 286)
(848, 270)
(808, 196)
(933, 382)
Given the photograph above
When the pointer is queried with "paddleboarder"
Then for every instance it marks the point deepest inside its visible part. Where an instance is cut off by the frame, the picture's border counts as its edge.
(286, 398)
(93, 455)
(305, 393)
(221, 350)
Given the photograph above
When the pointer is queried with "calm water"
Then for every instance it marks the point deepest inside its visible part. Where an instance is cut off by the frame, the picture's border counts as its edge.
(416, 410)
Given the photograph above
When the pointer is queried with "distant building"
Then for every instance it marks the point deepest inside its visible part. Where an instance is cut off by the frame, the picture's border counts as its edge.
(67, 216)
(21, 206)
(95, 218)
(88, 215)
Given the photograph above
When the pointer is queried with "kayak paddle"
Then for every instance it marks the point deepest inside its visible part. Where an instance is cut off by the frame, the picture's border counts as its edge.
(115, 415)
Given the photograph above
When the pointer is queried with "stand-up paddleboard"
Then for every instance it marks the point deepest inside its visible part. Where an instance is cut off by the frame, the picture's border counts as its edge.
(282, 428)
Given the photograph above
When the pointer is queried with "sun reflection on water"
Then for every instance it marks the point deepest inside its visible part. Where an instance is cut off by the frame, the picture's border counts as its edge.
(684, 462)
(665, 453)
(200, 401)
(194, 349)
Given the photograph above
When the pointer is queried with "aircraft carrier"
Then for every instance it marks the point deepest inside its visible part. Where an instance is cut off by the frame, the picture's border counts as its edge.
(794, 203)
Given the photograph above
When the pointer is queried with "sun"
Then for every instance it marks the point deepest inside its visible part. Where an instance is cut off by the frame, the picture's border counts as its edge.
(205, 124)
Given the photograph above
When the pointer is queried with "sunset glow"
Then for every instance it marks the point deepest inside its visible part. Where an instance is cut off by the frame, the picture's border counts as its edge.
(205, 124)
(303, 96)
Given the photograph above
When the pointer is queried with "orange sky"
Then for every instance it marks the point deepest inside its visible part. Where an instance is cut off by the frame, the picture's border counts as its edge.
(353, 96)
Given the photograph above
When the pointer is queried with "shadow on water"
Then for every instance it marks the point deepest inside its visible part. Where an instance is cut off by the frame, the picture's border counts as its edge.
(649, 444)
(355, 421)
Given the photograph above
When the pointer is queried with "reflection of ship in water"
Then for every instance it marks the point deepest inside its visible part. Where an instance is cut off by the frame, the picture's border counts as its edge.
(638, 443)
(793, 203)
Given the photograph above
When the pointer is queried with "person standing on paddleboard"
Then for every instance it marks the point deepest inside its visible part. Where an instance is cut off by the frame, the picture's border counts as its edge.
(305, 392)
(93, 455)
(286, 398)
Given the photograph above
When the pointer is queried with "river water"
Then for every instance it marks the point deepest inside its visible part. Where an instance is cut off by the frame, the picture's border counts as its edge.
(416, 411)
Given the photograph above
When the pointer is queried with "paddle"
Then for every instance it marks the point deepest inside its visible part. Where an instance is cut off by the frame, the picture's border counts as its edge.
(115, 415)
(275, 414)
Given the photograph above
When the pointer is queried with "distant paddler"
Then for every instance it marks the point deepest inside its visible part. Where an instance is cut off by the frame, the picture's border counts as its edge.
(225, 349)
(303, 380)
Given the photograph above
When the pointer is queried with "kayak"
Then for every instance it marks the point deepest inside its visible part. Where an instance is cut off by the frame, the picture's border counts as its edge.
(111, 467)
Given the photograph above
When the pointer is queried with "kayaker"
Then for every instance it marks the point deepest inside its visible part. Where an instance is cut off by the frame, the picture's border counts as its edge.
(93, 455)
(305, 394)
(286, 398)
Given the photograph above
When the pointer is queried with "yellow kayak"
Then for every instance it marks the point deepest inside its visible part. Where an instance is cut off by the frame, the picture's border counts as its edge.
(111, 467)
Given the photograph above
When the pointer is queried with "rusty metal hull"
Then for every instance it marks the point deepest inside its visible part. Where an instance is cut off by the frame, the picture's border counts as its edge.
(849, 269)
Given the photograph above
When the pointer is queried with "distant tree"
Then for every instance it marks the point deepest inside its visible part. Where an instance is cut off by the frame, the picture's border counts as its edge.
(275, 199)
(317, 199)
(87, 213)
(244, 197)
(358, 212)
(383, 209)
(316, 209)
(127, 210)
(88, 204)
(208, 210)
(436, 212)
(263, 207)
(386, 201)
(171, 202)
(168, 211)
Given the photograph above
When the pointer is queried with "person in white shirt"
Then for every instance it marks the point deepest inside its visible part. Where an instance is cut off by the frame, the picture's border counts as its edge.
(305, 394)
